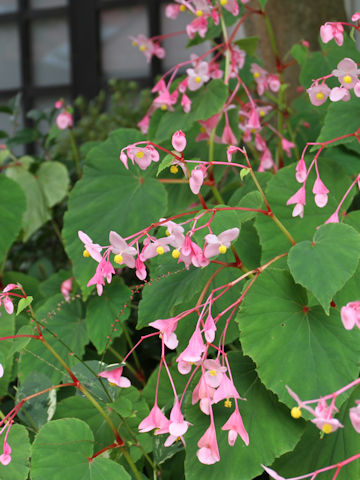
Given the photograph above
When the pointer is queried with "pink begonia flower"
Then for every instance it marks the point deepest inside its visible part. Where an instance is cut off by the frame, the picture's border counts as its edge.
(237, 59)
(197, 178)
(175, 231)
(140, 272)
(123, 253)
(148, 47)
(231, 6)
(228, 136)
(287, 146)
(5, 299)
(220, 243)
(274, 82)
(339, 93)
(350, 315)
(272, 473)
(66, 288)
(103, 270)
(144, 124)
(266, 161)
(207, 126)
(5, 457)
(321, 193)
(253, 122)
(259, 75)
(214, 373)
(157, 247)
(225, 390)
(192, 254)
(214, 70)
(165, 100)
(204, 393)
(301, 171)
(64, 120)
(178, 141)
(354, 414)
(332, 30)
(202, 6)
(209, 329)
(230, 152)
(236, 427)
(178, 426)
(318, 94)
(192, 353)
(208, 452)
(186, 103)
(115, 377)
(91, 249)
(155, 420)
(347, 73)
(167, 329)
(355, 17)
(299, 198)
(143, 156)
(357, 88)
(323, 418)
(59, 104)
(197, 76)
(172, 11)
(198, 25)
(334, 218)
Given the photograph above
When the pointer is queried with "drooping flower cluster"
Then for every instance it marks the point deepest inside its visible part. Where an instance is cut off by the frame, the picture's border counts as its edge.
(5, 297)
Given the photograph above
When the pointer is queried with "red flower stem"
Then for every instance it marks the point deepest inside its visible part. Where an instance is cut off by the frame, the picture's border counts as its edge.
(109, 447)
(20, 336)
(206, 287)
(238, 25)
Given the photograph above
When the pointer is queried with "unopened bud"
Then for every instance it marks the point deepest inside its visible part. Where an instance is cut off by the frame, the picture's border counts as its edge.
(179, 141)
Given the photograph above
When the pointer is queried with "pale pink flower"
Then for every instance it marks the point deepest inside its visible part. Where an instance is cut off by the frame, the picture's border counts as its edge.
(321, 193)
(260, 76)
(332, 30)
(154, 248)
(347, 73)
(205, 394)
(209, 329)
(354, 414)
(323, 418)
(202, 7)
(64, 120)
(237, 59)
(208, 452)
(178, 426)
(148, 47)
(1, 370)
(186, 103)
(214, 70)
(253, 122)
(287, 146)
(350, 315)
(178, 141)
(273, 82)
(198, 25)
(197, 76)
(232, 6)
(197, 178)
(214, 373)
(357, 88)
(5, 299)
(165, 100)
(66, 288)
(192, 353)
(115, 377)
(144, 124)
(5, 457)
(143, 156)
(318, 94)
(301, 171)
(266, 161)
(155, 420)
(191, 253)
(93, 249)
(226, 389)
(167, 328)
(236, 427)
(59, 104)
(172, 11)
(228, 136)
(140, 272)
(123, 253)
(230, 152)
(339, 93)
(103, 270)
(272, 473)
(220, 243)
(299, 198)
(355, 17)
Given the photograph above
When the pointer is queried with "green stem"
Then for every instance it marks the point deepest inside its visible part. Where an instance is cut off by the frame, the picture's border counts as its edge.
(131, 464)
(75, 153)
(282, 228)
(227, 49)
(271, 35)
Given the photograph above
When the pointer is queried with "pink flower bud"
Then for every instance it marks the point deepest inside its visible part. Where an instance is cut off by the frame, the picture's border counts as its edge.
(64, 120)
(350, 315)
(179, 141)
(320, 192)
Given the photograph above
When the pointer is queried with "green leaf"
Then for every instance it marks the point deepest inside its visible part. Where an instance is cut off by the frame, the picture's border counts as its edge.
(244, 172)
(165, 163)
(263, 3)
(12, 207)
(54, 180)
(36, 213)
(7, 328)
(324, 265)
(18, 468)
(23, 136)
(62, 449)
(248, 44)
(276, 323)
(105, 311)
(109, 197)
(23, 303)
(314, 452)
(271, 429)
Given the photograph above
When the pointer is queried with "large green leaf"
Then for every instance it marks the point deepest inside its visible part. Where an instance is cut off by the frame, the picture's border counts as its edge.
(271, 430)
(66, 321)
(109, 197)
(54, 180)
(12, 207)
(314, 452)
(62, 449)
(37, 212)
(279, 189)
(104, 312)
(324, 264)
(290, 341)
(18, 468)
(7, 328)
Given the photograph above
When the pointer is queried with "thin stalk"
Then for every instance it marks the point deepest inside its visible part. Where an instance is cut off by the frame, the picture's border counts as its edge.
(227, 49)
(131, 345)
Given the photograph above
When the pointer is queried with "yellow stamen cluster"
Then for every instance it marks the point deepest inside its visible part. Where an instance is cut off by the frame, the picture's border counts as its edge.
(347, 79)
(199, 13)
(167, 232)
(256, 74)
(198, 79)
(164, 107)
(134, 43)
(175, 253)
(222, 249)
(202, 129)
(86, 254)
(262, 113)
(139, 154)
(142, 48)
(212, 373)
(182, 8)
(295, 412)
(319, 95)
(160, 250)
(227, 403)
(113, 384)
(223, 2)
(174, 169)
(327, 428)
(118, 259)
